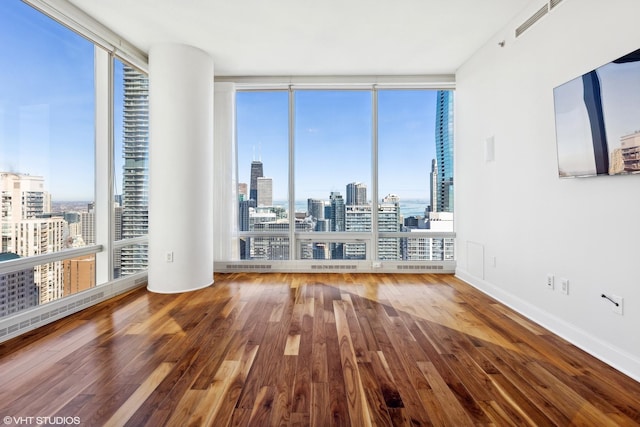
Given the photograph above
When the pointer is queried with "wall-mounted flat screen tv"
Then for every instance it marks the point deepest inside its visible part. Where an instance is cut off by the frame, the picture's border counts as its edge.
(598, 120)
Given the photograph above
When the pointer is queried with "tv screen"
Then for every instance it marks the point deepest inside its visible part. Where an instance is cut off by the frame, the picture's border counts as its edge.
(598, 120)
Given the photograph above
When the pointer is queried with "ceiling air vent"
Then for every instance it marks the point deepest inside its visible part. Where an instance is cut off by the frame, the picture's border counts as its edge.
(554, 3)
(535, 18)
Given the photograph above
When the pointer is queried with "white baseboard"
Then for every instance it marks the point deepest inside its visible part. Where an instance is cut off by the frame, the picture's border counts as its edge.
(615, 357)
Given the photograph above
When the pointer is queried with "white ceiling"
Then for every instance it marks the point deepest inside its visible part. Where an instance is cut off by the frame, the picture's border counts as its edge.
(313, 37)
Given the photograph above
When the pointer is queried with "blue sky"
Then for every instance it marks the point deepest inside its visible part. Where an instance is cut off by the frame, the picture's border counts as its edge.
(46, 102)
(47, 122)
(333, 140)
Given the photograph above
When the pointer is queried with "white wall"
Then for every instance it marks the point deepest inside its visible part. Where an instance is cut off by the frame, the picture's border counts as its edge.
(516, 220)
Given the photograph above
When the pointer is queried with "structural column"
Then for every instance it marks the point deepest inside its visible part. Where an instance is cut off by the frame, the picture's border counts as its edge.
(180, 168)
(225, 210)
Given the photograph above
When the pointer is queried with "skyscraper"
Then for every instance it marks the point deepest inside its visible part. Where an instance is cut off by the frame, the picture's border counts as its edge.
(389, 220)
(88, 225)
(265, 191)
(243, 194)
(337, 211)
(357, 219)
(18, 290)
(315, 208)
(135, 181)
(256, 172)
(28, 231)
(337, 223)
(433, 186)
(444, 151)
(356, 194)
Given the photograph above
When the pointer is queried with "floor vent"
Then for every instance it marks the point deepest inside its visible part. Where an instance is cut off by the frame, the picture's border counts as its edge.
(420, 267)
(248, 266)
(44, 316)
(534, 18)
(333, 267)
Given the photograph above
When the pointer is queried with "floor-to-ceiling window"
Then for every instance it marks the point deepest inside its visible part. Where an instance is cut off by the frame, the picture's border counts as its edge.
(52, 170)
(415, 148)
(332, 135)
(370, 173)
(263, 174)
(46, 156)
(131, 168)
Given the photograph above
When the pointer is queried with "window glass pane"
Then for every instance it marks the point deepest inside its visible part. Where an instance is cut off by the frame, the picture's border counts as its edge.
(262, 120)
(20, 289)
(131, 164)
(47, 123)
(415, 171)
(333, 163)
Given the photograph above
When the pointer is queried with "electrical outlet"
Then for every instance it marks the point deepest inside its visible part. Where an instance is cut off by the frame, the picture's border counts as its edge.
(550, 281)
(564, 286)
(168, 256)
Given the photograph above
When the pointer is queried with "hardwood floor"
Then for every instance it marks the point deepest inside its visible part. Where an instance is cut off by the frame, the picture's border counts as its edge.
(309, 349)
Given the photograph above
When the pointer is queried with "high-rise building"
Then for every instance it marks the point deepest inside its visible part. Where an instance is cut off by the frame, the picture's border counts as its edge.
(244, 209)
(41, 236)
(356, 194)
(243, 214)
(256, 172)
(389, 220)
(23, 196)
(337, 211)
(444, 151)
(630, 147)
(79, 274)
(88, 224)
(433, 186)
(337, 222)
(18, 290)
(357, 219)
(28, 231)
(117, 231)
(135, 180)
(243, 193)
(432, 248)
(315, 208)
(265, 191)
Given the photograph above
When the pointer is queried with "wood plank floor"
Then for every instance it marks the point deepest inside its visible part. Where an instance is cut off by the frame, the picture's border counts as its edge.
(310, 349)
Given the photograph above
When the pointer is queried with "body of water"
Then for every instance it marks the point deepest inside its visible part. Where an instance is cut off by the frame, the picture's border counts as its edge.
(407, 207)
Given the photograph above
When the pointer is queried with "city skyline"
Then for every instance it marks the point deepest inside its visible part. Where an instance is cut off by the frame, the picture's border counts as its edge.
(336, 125)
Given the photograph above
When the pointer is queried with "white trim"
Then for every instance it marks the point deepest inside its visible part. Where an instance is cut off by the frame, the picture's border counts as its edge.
(619, 359)
(77, 20)
(103, 148)
(372, 253)
(32, 261)
(440, 81)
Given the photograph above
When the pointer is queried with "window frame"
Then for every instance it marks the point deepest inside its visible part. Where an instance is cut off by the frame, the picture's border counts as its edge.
(370, 239)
